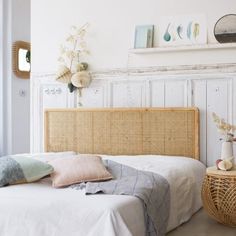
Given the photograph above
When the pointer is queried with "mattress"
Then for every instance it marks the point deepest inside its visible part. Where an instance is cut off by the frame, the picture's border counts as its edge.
(37, 209)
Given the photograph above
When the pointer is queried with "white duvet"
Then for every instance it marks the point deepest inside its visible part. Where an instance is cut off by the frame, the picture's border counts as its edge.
(39, 210)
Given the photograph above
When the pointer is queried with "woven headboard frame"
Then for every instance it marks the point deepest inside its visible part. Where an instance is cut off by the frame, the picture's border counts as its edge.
(121, 131)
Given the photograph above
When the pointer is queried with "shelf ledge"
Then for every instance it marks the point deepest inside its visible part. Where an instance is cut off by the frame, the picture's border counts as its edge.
(183, 48)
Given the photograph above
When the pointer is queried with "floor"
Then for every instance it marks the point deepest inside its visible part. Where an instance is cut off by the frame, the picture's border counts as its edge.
(202, 225)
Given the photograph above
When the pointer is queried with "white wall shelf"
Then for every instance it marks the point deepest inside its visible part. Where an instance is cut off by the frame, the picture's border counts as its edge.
(202, 47)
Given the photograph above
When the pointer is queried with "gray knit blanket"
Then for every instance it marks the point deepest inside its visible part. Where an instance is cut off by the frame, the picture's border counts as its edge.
(151, 188)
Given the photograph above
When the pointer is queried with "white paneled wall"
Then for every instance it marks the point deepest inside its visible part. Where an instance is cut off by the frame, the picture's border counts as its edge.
(210, 93)
(218, 100)
(128, 93)
(157, 93)
(175, 93)
(199, 100)
(96, 95)
(213, 95)
(46, 94)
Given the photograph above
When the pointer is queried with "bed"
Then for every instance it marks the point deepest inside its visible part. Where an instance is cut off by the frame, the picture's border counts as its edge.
(132, 137)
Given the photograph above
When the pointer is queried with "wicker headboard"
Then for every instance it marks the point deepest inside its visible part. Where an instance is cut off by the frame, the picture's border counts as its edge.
(121, 131)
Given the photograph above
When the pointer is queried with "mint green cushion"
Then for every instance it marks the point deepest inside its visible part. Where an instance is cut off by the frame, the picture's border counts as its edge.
(21, 169)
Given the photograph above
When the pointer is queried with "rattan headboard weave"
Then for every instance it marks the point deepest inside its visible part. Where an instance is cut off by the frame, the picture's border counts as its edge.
(121, 131)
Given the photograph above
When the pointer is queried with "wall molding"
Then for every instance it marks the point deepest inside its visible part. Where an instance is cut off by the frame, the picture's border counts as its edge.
(204, 69)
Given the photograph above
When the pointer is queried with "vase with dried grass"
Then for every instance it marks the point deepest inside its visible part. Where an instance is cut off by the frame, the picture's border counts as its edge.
(227, 131)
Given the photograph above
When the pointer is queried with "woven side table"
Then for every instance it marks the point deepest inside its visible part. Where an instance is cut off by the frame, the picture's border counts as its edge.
(219, 195)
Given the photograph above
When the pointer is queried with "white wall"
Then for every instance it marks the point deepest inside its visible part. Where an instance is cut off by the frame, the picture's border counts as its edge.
(16, 130)
(111, 35)
(6, 76)
(112, 30)
(1, 78)
(20, 104)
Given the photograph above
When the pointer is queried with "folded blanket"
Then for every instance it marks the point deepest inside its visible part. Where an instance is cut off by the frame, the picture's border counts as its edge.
(151, 188)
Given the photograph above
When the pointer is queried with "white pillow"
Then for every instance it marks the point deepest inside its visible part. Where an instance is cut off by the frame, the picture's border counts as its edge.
(47, 156)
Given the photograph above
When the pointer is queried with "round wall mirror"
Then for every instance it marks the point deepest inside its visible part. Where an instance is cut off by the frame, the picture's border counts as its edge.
(225, 29)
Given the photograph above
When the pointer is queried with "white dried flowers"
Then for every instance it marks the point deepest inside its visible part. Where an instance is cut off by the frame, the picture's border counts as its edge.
(70, 54)
(225, 129)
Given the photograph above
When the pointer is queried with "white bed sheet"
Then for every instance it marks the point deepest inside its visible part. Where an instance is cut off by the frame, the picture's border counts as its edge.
(39, 210)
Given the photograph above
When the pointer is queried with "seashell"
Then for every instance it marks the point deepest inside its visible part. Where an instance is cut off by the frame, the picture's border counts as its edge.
(217, 163)
(230, 159)
(225, 165)
(81, 79)
(82, 66)
(63, 74)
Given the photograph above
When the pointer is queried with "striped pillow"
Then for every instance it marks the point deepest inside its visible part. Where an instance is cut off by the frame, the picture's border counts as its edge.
(15, 170)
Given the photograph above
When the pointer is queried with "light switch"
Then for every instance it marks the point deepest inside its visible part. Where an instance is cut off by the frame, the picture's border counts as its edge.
(22, 93)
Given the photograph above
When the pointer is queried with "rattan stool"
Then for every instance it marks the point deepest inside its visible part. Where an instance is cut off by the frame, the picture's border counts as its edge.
(219, 195)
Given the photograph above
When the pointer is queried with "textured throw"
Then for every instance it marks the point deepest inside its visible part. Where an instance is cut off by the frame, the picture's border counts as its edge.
(151, 188)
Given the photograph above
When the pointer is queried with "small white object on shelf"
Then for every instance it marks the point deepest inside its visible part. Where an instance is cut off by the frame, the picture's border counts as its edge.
(183, 48)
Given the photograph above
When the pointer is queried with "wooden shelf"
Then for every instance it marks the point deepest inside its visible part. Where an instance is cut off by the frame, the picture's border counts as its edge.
(202, 47)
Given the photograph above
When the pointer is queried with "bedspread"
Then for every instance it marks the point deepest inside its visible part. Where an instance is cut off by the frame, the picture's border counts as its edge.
(37, 209)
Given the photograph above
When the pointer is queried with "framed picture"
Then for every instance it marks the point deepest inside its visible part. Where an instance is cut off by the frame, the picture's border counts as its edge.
(143, 36)
(182, 30)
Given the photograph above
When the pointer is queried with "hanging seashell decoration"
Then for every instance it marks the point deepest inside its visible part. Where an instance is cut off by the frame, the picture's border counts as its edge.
(72, 71)
(82, 66)
(81, 79)
(63, 74)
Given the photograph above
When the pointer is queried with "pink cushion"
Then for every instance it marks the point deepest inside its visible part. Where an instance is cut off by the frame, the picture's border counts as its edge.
(81, 168)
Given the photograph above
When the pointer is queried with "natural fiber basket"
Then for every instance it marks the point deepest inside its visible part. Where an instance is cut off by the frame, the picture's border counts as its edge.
(219, 195)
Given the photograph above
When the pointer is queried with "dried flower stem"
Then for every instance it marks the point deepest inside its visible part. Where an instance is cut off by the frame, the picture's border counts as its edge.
(76, 41)
(73, 57)
(224, 128)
